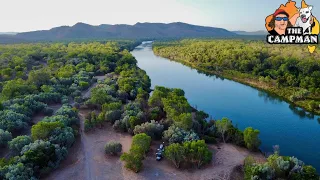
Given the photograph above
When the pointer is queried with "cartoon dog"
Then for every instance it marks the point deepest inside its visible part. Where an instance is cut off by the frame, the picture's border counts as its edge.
(304, 20)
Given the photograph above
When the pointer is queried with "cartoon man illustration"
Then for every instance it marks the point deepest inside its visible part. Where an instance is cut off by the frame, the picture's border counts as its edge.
(279, 22)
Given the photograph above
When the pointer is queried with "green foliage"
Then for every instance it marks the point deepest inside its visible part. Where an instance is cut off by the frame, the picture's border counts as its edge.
(66, 71)
(113, 148)
(223, 126)
(195, 153)
(178, 135)
(152, 129)
(112, 116)
(175, 153)
(16, 88)
(18, 143)
(43, 154)
(42, 129)
(279, 167)
(174, 104)
(142, 140)
(294, 75)
(140, 145)
(39, 77)
(5, 137)
(251, 138)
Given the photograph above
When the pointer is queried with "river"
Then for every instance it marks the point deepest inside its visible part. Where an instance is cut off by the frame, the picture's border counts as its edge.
(296, 132)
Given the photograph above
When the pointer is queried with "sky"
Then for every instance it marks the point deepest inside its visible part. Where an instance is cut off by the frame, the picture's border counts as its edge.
(31, 15)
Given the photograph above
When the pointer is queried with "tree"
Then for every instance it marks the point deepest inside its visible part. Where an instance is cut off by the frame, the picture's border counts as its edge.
(222, 126)
(43, 154)
(42, 129)
(18, 143)
(140, 145)
(197, 152)
(153, 129)
(251, 138)
(113, 148)
(178, 135)
(142, 140)
(39, 77)
(5, 137)
(175, 153)
(133, 161)
(66, 71)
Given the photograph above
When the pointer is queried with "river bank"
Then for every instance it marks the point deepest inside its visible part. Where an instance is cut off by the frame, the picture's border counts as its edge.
(282, 92)
(278, 121)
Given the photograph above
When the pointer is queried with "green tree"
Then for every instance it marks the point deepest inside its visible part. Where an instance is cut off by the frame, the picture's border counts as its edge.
(19, 142)
(5, 137)
(223, 126)
(251, 138)
(142, 140)
(113, 148)
(175, 153)
(197, 152)
(42, 129)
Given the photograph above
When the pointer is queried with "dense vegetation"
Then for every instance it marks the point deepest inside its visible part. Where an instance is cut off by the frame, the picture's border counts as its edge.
(279, 167)
(36, 76)
(288, 71)
(140, 145)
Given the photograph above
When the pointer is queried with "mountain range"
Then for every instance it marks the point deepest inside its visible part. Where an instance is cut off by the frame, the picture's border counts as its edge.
(121, 31)
(253, 33)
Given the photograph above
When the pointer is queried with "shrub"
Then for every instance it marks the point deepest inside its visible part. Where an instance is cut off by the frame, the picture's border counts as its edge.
(5, 137)
(153, 129)
(87, 125)
(112, 116)
(48, 111)
(175, 153)
(210, 139)
(19, 142)
(140, 145)
(195, 153)
(142, 140)
(177, 135)
(113, 148)
(42, 129)
(251, 138)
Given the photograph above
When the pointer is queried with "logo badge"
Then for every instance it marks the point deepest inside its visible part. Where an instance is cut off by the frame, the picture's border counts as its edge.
(290, 24)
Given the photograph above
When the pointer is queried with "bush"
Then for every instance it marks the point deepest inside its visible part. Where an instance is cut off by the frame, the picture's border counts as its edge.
(113, 148)
(5, 137)
(112, 116)
(48, 111)
(210, 139)
(177, 135)
(43, 129)
(251, 138)
(140, 145)
(43, 155)
(87, 125)
(18, 143)
(195, 153)
(142, 140)
(153, 129)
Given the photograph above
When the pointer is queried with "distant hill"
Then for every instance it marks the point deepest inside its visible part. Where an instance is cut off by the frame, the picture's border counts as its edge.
(123, 31)
(251, 33)
(8, 33)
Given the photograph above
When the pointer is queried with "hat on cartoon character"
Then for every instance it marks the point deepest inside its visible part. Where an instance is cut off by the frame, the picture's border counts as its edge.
(280, 11)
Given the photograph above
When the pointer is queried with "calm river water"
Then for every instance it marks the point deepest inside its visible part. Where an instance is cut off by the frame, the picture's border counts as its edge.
(297, 132)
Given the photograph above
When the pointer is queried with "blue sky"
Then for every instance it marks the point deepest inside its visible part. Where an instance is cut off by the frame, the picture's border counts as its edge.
(248, 15)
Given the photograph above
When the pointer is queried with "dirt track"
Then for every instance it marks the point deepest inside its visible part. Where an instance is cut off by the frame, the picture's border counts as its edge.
(87, 161)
